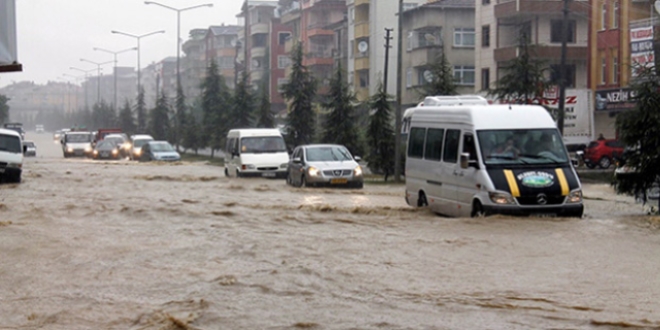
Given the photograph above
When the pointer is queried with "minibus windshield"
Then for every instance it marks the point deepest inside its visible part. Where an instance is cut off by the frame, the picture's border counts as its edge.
(522, 146)
(263, 144)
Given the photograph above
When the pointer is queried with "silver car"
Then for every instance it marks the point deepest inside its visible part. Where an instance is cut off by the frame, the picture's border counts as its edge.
(324, 164)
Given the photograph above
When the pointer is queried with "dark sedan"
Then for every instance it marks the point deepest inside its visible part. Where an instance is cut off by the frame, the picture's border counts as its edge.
(106, 150)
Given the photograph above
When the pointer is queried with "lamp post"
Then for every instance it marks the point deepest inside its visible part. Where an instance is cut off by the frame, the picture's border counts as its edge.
(178, 33)
(98, 79)
(138, 37)
(86, 72)
(115, 68)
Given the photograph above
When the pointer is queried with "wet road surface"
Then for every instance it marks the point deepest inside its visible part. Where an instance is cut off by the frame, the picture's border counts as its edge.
(123, 245)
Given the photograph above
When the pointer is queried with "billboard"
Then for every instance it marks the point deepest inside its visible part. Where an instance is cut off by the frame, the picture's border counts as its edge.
(8, 56)
(578, 115)
(641, 49)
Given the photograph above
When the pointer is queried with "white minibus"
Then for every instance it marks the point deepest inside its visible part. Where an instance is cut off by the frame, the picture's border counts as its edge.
(467, 159)
(256, 152)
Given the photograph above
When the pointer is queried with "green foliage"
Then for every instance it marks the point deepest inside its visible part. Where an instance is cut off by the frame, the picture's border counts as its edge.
(103, 115)
(243, 103)
(180, 117)
(216, 101)
(340, 123)
(192, 135)
(126, 119)
(141, 111)
(524, 78)
(639, 128)
(442, 78)
(4, 109)
(159, 119)
(265, 117)
(380, 135)
(300, 92)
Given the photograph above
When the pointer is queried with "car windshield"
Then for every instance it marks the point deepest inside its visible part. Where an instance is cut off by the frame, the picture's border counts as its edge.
(528, 146)
(79, 138)
(10, 143)
(140, 142)
(105, 145)
(161, 147)
(327, 154)
(28, 144)
(114, 140)
(262, 144)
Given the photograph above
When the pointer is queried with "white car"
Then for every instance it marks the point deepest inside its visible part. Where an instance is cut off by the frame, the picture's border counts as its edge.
(137, 141)
(11, 156)
(324, 164)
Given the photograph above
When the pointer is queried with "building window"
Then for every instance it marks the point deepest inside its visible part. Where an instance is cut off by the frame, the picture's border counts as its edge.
(463, 37)
(351, 15)
(281, 82)
(603, 70)
(555, 74)
(485, 36)
(464, 75)
(411, 35)
(225, 62)
(615, 70)
(424, 76)
(363, 76)
(603, 17)
(351, 49)
(485, 79)
(283, 61)
(485, 2)
(409, 73)
(555, 31)
(615, 15)
(427, 37)
(282, 37)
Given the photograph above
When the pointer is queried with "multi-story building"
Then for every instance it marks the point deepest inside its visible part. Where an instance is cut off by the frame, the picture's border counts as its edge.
(430, 30)
(620, 37)
(222, 47)
(255, 37)
(502, 24)
(367, 21)
(193, 63)
(279, 62)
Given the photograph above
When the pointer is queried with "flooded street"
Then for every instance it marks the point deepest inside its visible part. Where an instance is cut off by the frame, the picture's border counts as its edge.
(123, 245)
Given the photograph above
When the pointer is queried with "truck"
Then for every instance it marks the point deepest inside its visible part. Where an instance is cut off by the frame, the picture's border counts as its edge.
(578, 116)
(102, 132)
(18, 127)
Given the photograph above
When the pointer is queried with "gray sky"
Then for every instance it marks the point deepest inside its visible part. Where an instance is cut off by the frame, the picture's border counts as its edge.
(54, 35)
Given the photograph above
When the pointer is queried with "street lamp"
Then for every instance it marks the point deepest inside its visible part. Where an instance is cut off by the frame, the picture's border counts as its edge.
(98, 80)
(86, 72)
(138, 37)
(115, 69)
(178, 33)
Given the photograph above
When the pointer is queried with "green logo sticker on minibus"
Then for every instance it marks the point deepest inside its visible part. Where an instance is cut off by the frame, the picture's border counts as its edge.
(536, 179)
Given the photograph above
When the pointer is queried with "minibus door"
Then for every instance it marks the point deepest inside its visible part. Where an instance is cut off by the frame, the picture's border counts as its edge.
(468, 166)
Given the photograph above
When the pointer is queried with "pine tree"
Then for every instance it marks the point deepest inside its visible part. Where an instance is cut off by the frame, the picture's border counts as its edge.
(380, 134)
(242, 104)
(440, 79)
(265, 115)
(4, 109)
(103, 115)
(159, 119)
(126, 120)
(192, 134)
(141, 111)
(340, 124)
(300, 92)
(179, 117)
(215, 102)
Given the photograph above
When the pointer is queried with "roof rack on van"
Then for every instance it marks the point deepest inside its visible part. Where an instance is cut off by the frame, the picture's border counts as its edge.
(454, 100)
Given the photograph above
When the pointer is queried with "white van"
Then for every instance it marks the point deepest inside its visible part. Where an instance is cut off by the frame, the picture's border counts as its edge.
(11, 156)
(479, 159)
(256, 152)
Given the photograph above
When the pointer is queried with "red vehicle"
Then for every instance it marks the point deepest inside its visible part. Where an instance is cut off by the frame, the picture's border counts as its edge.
(602, 153)
(102, 132)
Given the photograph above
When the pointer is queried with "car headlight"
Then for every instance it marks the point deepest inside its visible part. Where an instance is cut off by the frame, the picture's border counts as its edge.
(14, 165)
(501, 198)
(96, 152)
(114, 151)
(574, 197)
(357, 171)
(138, 152)
(313, 171)
(284, 165)
(69, 149)
(88, 149)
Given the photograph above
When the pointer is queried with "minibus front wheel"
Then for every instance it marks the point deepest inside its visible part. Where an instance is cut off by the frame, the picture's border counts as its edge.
(477, 209)
(421, 201)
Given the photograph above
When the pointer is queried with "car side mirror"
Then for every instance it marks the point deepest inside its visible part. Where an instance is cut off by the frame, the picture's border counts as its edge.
(61, 141)
(24, 149)
(296, 160)
(466, 162)
(357, 158)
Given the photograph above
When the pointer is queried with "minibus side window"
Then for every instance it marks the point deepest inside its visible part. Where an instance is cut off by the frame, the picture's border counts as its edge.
(451, 146)
(433, 150)
(416, 145)
(469, 147)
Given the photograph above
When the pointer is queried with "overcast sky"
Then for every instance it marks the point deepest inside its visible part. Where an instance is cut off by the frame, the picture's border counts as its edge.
(53, 35)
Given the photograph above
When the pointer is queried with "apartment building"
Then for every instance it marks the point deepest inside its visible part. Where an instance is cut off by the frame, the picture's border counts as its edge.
(620, 37)
(431, 29)
(193, 63)
(255, 37)
(500, 25)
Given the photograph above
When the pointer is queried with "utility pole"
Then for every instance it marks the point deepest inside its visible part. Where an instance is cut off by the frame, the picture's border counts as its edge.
(399, 75)
(246, 62)
(387, 55)
(562, 70)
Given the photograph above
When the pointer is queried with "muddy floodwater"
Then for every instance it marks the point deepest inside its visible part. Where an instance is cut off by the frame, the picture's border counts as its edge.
(123, 245)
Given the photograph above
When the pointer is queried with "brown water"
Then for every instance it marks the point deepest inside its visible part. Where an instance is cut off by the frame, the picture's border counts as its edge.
(123, 245)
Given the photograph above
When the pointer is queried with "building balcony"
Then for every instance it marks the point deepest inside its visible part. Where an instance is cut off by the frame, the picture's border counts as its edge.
(312, 61)
(362, 93)
(319, 30)
(513, 8)
(258, 52)
(259, 28)
(362, 63)
(361, 3)
(256, 74)
(362, 30)
(543, 52)
(424, 56)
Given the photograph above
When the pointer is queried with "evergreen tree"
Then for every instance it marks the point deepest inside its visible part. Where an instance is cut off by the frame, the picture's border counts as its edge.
(340, 124)
(159, 119)
(4, 109)
(524, 80)
(265, 115)
(380, 134)
(126, 119)
(141, 111)
(103, 115)
(300, 92)
(242, 104)
(639, 128)
(192, 135)
(179, 118)
(215, 102)
(440, 80)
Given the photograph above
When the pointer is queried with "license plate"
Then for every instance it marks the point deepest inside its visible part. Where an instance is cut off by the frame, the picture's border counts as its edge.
(268, 175)
(105, 154)
(338, 181)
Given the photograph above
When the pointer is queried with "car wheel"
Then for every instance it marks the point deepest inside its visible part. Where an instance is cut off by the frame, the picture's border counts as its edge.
(359, 185)
(289, 181)
(604, 162)
(421, 200)
(477, 210)
(303, 182)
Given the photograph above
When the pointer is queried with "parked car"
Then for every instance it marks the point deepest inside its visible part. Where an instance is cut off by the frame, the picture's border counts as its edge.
(39, 128)
(159, 150)
(106, 150)
(29, 149)
(137, 141)
(602, 153)
(324, 164)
